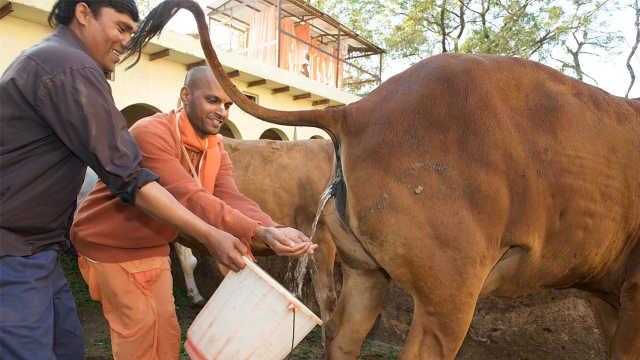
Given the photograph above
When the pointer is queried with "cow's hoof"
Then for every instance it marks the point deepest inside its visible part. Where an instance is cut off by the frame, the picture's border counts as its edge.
(198, 303)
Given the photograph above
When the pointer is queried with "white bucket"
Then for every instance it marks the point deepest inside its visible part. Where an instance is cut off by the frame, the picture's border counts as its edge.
(249, 317)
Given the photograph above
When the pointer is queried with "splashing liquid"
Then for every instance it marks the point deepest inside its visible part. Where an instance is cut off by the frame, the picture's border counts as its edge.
(303, 262)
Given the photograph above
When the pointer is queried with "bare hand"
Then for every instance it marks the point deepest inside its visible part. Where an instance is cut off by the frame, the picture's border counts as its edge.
(285, 241)
(226, 249)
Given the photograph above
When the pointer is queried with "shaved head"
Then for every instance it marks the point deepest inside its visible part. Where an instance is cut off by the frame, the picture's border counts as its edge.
(198, 77)
(204, 101)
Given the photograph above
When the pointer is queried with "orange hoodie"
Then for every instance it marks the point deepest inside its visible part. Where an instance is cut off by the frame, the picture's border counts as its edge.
(108, 230)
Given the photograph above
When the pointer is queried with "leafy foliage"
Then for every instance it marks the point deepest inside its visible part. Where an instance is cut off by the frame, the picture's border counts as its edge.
(550, 31)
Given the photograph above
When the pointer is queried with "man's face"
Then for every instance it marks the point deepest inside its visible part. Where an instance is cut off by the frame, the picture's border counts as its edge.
(207, 106)
(106, 36)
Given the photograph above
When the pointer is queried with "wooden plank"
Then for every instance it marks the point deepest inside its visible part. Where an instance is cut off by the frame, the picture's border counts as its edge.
(159, 55)
(249, 6)
(195, 64)
(257, 83)
(6, 10)
(301, 96)
(320, 102)
(280, 90)
(227, 24)
(230, 74)
(234, 19)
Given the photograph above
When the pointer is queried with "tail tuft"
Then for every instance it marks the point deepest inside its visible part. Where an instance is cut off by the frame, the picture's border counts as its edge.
(150, 27)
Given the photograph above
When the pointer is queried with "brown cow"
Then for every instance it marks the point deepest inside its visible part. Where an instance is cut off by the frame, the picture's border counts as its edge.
(470, 175)
(286, 179)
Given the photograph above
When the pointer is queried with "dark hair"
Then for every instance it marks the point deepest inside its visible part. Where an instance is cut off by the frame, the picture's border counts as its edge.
(63, 11)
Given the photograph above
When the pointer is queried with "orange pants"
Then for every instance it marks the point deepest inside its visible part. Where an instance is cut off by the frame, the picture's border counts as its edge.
(137, 301)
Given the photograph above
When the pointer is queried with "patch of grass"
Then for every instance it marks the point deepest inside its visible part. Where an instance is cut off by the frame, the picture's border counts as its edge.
(103, 348)
(310, 347)
(103, 342)
(379, 351)
(186, 313)
(181, 298)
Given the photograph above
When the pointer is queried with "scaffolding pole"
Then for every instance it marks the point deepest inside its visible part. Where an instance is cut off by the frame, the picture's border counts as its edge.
(278, 10)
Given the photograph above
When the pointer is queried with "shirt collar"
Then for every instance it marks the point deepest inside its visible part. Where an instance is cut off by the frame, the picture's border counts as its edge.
(65, 35)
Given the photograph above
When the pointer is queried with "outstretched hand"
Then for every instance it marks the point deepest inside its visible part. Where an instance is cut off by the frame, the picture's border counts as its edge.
(226, 249)
(285, 241)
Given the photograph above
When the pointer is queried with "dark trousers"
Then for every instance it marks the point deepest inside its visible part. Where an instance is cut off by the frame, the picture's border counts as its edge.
(38, 317)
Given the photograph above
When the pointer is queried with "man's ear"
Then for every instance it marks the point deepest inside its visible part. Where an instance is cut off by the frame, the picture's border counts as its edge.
(185, 95)
(83, 13)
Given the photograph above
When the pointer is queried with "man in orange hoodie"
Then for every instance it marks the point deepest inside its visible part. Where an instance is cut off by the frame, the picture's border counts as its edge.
(124, 252)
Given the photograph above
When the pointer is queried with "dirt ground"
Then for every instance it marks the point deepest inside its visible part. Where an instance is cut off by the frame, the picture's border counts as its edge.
(557, 324)
(548, 326)
(553, 325)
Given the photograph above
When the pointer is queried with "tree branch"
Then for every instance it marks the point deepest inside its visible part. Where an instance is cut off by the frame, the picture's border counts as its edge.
(443, 33)
(636, 7)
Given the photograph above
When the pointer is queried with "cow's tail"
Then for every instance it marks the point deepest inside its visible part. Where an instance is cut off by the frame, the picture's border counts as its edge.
(327, 119)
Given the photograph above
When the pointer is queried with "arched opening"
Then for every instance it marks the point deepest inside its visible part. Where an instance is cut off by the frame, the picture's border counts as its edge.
(135, 112)
(273, 134)
(316, 137)
(230, 130)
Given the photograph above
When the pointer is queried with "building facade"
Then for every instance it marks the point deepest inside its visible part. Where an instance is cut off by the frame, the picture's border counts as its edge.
(153, 85)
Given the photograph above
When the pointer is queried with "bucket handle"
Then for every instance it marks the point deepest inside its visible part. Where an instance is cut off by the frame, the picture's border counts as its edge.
(292, 308)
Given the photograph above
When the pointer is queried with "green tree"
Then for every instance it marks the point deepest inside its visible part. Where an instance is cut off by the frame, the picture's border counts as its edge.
(524, 28)
(426, 27)
(550, 31)
(588, 35)
(528, 29)
(636, 7)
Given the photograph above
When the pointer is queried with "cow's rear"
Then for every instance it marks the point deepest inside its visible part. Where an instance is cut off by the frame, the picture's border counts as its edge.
(467, 173)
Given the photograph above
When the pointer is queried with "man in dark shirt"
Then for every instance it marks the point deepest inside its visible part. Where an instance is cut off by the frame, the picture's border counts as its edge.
(58, 116)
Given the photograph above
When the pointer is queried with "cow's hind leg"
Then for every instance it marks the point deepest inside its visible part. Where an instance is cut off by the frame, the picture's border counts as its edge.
(322, 277)
(626, 341)
(441, 316)
(445, 276)
(606, 317)
(358, 306)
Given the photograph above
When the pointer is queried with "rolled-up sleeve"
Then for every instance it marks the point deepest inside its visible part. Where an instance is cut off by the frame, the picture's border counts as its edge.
(95, 130)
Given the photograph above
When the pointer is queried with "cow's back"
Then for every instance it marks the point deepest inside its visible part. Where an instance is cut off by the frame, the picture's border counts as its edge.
(284, 178)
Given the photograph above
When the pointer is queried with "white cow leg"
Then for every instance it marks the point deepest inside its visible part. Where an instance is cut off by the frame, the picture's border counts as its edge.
(188, 264)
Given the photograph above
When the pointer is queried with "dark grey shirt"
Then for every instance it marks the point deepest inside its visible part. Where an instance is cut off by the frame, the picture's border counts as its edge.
(57, 116)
